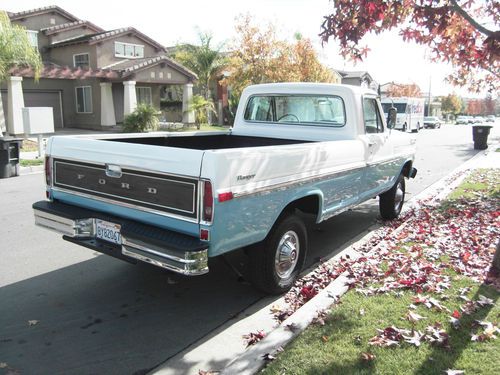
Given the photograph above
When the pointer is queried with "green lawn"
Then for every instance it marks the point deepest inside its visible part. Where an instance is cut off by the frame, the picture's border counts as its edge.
(342, 344)
(30, 162)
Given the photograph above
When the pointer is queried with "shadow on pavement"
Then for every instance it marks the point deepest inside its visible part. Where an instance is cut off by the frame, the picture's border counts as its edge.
(122, 320)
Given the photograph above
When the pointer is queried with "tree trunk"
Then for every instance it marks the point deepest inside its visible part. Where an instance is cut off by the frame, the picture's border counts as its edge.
(496, 259)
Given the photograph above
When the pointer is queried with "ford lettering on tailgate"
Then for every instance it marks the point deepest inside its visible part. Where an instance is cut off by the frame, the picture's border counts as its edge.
(152, 190)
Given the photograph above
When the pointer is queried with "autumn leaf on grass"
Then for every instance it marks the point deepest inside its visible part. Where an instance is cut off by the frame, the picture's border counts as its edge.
(390, 336)
(413, 317)
(415, 339)
(437, 336)
(367, 356)
(489, 331)
(484, 301)
(254, 337)
(454, 322)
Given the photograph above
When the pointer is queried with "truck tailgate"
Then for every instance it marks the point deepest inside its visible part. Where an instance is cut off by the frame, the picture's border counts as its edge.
(128, 179)
(177, 161)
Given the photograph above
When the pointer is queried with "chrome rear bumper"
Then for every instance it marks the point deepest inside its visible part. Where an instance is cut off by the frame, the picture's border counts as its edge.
(140, 242)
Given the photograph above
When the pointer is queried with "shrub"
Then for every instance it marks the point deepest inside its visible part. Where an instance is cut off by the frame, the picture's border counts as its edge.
(143, 119)
(201, 107)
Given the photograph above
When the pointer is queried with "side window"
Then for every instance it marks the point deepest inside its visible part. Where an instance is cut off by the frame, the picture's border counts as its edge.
(259, 109)
(373, 121)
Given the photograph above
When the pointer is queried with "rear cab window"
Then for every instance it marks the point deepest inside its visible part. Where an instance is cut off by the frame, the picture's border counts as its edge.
(315, 110)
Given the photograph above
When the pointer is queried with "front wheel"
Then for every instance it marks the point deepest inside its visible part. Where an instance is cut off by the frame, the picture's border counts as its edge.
(391, 202)
(275, 263)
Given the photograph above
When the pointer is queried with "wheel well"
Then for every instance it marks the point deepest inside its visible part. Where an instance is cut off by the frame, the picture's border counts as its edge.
(407, 169)
(309, 205)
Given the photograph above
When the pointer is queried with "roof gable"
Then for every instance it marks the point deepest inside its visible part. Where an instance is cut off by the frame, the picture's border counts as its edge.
(43, 10)
(128, 67)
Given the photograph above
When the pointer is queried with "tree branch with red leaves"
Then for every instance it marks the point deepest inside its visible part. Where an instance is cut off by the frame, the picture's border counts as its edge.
(453, 31)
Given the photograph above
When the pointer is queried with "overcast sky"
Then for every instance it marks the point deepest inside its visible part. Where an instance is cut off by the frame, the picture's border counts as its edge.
(170, 22)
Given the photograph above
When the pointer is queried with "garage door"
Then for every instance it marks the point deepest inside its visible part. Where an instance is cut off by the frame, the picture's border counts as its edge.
(40, 99)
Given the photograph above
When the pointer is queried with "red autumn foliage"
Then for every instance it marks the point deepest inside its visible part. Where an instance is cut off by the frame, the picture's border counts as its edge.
(452, 29)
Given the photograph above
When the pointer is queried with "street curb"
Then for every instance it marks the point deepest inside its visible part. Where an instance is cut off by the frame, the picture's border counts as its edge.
(253, 359)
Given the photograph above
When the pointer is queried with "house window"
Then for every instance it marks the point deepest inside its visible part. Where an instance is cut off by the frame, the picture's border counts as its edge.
(33, 38)
(84, 99)
(81, 60)
(144, 95)
(128, 50)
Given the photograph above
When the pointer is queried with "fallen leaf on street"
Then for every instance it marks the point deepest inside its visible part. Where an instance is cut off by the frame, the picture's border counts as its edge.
(254, 337)
(33, 322)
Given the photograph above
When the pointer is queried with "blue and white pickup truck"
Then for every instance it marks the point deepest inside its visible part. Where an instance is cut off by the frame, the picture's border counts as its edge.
(176, 199)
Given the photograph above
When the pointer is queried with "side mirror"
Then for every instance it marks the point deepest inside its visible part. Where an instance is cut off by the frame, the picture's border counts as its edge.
(391, 118)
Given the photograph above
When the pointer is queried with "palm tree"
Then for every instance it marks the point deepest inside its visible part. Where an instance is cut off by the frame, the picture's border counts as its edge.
(203, 60)
(201, 108)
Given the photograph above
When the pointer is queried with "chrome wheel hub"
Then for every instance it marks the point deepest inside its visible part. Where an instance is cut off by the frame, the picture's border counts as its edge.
(287, 254)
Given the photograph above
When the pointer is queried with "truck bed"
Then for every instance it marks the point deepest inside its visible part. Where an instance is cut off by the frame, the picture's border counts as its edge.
(209, 142)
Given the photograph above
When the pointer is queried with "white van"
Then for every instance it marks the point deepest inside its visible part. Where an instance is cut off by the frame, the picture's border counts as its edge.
(410, 116)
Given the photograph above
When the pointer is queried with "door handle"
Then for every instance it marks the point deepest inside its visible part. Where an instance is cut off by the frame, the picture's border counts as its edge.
(371, 144)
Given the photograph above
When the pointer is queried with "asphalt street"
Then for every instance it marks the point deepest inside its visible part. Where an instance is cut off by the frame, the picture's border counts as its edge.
(67, 310)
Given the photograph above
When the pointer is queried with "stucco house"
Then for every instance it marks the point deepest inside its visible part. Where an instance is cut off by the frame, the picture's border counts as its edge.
(91, 78)
(357, 78)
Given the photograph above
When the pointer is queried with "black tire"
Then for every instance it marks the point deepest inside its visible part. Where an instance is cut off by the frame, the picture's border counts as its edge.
(391, 202)
(263, 268)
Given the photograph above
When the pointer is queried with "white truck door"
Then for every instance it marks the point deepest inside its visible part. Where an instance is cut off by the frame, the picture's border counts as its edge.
(379, 151)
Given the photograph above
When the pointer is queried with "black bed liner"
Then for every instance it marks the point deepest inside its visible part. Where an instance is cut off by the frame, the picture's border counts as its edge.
(210, 142)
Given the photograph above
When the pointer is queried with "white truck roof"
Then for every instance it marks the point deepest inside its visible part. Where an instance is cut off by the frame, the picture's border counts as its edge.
(305, 88)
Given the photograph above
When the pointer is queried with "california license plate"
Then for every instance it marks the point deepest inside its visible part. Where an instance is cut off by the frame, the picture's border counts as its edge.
(108, 231)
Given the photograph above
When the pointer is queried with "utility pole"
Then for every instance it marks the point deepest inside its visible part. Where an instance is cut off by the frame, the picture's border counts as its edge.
(429, 99)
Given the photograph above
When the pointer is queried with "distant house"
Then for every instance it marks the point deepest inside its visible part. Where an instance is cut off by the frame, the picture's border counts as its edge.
(358, 78)
(91, 78)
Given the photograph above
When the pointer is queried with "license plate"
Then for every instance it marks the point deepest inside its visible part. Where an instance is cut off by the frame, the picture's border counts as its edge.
(108, 231)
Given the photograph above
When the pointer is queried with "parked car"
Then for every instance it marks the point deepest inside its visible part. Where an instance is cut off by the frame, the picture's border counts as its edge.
(174, 200)
(432, 122)
(461, 120)
(490, 118)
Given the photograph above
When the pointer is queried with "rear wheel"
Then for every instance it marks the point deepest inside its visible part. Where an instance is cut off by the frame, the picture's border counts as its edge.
(276, 263)
(391, 202)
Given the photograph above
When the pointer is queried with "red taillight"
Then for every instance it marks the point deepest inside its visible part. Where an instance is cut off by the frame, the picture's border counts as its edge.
(48, 171)
(225, 196)
(208, 201)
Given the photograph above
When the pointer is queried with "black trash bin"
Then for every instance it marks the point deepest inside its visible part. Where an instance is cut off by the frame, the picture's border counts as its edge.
(9, 157)
(480, 136)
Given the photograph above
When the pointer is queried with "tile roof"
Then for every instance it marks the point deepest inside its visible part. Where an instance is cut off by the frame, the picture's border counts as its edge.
(54, 71)
(119, 71)
(95, 38)
(69, 26)
(42, 10)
